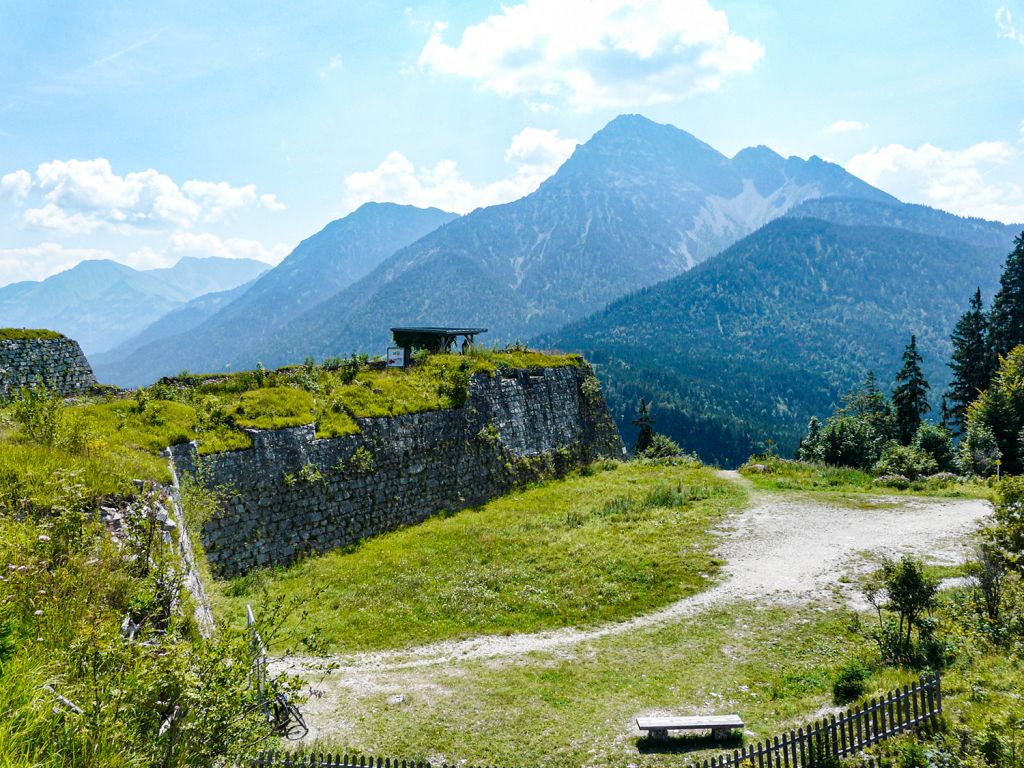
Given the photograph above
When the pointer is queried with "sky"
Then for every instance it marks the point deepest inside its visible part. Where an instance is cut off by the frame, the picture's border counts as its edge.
(143, 132)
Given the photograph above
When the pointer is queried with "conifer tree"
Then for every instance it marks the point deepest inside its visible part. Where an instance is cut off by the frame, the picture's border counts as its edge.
(1006, 320)
(971, 363)
(645, 422)
(910, 397)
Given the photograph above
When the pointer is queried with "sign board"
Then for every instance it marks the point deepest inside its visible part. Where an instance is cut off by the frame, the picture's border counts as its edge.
(396, 357)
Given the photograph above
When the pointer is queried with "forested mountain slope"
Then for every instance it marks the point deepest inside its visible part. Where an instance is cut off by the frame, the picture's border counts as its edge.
(747, 346)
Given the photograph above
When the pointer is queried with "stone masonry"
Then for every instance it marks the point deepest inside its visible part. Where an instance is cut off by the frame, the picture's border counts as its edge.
(292, 494)
(56, 363)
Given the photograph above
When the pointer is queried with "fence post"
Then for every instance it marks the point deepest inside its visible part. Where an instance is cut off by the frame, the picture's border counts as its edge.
(938, 692)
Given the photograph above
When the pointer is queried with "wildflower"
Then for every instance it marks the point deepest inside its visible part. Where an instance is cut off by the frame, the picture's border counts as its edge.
(43, 537)
(39, 612)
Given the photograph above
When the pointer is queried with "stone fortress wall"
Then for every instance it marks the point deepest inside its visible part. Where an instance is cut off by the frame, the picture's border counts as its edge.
(31, 358)
(292, 494)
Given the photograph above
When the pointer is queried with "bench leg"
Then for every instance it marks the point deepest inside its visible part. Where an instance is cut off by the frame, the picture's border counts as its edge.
(719, 734)
(657, 734)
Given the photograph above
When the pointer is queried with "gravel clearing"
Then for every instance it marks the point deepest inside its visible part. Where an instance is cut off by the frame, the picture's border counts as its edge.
(782, 548)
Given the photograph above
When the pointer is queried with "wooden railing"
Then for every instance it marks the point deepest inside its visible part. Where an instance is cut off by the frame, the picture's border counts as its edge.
(900, 711)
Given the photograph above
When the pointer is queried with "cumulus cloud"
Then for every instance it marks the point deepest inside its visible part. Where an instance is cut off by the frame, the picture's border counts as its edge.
(535, 154)
(81, 196)
(846, 126)
(40, 261)
(207, 244)
(1006, 25)
(954, 180)
(596, 53)
(15, 186)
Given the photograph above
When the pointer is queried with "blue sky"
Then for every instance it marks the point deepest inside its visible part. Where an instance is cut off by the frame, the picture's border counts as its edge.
(148, 133)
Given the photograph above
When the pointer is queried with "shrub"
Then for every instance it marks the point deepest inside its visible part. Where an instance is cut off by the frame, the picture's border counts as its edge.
(454, 382)
(903, 595)
(362, 460)
(936, 441)
(661, 447)
(850, 682)
(39, 413)
(905, 460)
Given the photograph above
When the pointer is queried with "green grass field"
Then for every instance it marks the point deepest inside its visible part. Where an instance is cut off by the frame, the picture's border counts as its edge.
(576, 707)
(617, 542)
(787, 475)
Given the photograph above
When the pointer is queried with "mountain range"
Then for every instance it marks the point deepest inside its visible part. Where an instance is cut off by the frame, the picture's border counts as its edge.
(638, 203)
(746, 347)
(738, 295)
(238, 330)
(101, 302)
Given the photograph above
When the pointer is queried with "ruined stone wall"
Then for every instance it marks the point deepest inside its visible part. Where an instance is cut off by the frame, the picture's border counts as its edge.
(293, 494)
(57, 363)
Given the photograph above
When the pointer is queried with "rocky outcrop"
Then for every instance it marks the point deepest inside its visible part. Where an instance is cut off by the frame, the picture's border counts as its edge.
(292, 494)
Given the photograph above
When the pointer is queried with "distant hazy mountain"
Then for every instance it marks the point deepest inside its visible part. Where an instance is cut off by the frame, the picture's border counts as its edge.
(177, 321)
(240, 330)
(750, 344)
(100, 303)
(638, 203)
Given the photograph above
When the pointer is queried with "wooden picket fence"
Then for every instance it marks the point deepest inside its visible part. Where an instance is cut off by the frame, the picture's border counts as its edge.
(901, 711)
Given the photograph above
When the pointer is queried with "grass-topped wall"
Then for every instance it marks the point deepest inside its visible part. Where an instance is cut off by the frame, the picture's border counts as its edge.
(441, 437)
(31, 357)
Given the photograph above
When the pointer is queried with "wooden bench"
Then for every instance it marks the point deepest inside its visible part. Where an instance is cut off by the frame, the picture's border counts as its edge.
(719, 725)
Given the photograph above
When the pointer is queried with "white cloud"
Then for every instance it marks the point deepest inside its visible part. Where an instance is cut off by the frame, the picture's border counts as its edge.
(535, 154)
(954, 180)
(596, 53)
(40, 261)
(15, 186)
(1006, 25)
(207, 244)
(846, 126)
(81, 196)
(271, 203)
(335, 62)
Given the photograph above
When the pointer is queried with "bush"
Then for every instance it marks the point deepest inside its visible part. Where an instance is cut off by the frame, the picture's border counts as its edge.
(661, 447)
(905, 460)
(848, 442)
(39, 413)
(936, 441)
(850, 682)
(979, 451)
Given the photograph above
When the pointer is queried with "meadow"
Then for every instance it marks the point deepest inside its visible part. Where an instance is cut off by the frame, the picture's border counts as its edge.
(613, 541)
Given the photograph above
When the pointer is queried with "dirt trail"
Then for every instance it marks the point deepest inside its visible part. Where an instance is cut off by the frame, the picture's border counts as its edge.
(780, 548)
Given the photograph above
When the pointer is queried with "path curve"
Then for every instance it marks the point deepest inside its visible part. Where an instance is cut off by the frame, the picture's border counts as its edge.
(782, 548)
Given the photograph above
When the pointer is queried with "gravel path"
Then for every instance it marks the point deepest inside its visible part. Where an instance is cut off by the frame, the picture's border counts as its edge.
(780, 548)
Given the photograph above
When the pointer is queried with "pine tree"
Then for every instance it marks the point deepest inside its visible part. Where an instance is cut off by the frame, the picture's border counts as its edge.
(1006, 320)
(645, 422)
(971, 363)
(910, 397)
